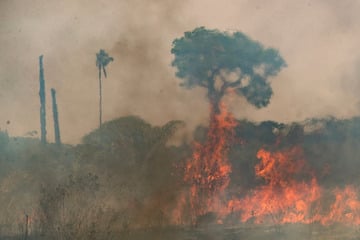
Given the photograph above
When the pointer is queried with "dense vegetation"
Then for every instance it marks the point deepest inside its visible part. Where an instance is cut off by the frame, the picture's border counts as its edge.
(125, 176)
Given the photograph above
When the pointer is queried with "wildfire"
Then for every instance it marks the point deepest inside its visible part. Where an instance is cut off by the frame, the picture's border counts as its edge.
(207, 172)
(291, 194)
(288, 192)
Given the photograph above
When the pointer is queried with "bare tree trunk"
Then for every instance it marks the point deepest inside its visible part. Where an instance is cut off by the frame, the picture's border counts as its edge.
(56, 117)
(26, 227)
(100, 96)
(42, 101)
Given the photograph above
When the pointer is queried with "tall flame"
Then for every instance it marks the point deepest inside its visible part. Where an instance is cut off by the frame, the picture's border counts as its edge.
(289, 191)
(207, 172)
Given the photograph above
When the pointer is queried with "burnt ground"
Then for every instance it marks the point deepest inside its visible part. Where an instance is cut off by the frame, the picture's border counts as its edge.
(250, 232)
(243, 232)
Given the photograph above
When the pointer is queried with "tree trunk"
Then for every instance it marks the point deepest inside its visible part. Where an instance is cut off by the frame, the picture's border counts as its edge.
(100, 98)
(215, 95)
(26, 227)
(215, 98)
(56, 117)
(215, 104)
(42, 101)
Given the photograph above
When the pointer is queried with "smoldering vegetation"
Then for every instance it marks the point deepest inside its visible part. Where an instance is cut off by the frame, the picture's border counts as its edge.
(124, 179)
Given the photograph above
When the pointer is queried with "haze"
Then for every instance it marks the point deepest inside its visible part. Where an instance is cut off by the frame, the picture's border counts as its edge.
(318, 39)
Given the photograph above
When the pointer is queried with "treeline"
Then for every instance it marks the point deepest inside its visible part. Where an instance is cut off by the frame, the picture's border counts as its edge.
(124, 175)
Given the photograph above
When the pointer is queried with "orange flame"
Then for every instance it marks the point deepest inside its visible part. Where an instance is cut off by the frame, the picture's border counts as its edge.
(291, 194)
(207, 172)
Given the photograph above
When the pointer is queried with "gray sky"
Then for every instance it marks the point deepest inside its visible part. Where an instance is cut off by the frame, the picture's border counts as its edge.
(318, 39)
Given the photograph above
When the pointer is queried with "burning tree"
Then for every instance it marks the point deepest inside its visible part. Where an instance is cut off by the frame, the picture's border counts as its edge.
(221, 62)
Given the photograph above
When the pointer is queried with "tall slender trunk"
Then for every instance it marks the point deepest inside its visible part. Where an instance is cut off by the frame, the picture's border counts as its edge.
(26, 227)
(42, 101)
(100, 96)
(56, 117)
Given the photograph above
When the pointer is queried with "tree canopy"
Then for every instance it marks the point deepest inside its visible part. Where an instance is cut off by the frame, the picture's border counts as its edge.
(220, 61)
(102, 60)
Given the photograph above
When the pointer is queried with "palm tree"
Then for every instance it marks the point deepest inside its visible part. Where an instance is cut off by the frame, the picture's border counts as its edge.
(102, 60)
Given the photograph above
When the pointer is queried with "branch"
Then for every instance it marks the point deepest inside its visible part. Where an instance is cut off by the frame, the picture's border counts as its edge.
(214, 72)
(103, 67)
(223, 79)
(234, 84)
(223, 88)
(227, 84)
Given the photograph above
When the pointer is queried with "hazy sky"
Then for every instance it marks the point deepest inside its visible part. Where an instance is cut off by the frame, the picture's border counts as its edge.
(318, 39)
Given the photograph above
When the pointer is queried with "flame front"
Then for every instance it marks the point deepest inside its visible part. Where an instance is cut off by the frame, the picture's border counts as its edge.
(291, 194)
(207, 172)
(289, 191)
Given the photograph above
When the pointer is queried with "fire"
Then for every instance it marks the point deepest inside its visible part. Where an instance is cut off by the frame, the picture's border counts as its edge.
(288, 189)
(345, 208)
(207, 172)
(291, 194)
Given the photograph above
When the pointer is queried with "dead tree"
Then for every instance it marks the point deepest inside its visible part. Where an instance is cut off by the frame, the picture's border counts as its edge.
(42, 101)
(56, 117)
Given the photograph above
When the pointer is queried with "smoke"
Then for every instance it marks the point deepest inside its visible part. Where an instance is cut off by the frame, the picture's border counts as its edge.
(315, 42)
(138, 34)
(318, 40)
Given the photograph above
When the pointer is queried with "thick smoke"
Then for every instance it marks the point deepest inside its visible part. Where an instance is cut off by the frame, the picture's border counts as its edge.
(138, 34)
(317, 39)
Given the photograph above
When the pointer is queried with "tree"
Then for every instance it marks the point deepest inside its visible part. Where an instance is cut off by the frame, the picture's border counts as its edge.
(102, 60)
(55, 117)
(130, 137)
(220, 61)
(42, 100)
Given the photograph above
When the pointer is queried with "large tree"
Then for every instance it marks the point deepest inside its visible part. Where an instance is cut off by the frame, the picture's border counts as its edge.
(222, 61)
(102, 60)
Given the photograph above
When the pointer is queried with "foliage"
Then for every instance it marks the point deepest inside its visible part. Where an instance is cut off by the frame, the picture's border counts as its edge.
(204, 57)
(130, 137)
(71, 210)
(135, 177)
(102, 60)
